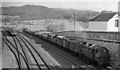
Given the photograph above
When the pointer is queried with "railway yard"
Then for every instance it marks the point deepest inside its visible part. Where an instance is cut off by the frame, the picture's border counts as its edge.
(60, 35)
(53, 57)
(25, 49)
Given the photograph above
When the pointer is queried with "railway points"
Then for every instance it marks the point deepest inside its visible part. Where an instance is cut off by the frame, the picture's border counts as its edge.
(31, 51)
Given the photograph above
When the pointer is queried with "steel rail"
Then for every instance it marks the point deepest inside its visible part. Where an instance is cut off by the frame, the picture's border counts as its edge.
(35, 51)
(31, 54)
(17, 50)
(20, 54)
(13, 53)
(58, 53)
(22, 49)
(55, 51)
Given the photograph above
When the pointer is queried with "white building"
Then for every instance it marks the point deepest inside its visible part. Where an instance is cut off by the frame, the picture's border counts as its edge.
(104, 22)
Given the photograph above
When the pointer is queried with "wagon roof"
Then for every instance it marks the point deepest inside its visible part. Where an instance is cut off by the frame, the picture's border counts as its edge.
(76, 41)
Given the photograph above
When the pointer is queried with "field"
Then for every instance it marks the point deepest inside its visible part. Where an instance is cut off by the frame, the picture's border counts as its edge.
(54, 25)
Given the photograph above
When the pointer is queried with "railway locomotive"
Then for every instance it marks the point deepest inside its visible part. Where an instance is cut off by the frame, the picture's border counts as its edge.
(95, 54)
(90, 53)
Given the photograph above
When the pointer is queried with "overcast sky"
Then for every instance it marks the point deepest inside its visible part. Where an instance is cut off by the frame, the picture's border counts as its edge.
(97, 5)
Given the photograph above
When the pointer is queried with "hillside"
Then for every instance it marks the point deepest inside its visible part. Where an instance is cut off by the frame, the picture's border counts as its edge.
(28, 12)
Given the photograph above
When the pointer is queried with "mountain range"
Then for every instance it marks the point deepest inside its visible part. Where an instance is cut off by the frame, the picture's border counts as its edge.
(30, 12)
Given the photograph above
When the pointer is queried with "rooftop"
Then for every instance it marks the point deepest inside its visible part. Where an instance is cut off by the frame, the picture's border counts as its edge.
(103, 17)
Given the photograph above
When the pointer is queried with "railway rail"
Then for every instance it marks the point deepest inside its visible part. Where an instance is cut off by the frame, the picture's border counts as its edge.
(59, 52)
(9, 44)
(56, 50)
(21, 37)
(21, 52)
(95, 39)
(20, 46)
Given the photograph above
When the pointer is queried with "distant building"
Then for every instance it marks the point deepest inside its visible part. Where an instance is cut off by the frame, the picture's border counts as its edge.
(104, 22)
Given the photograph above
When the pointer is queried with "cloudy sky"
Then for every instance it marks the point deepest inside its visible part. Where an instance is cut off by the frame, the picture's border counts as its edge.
(97, 5)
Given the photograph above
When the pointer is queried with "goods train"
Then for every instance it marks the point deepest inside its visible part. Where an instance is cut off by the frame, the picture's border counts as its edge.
(95, 54)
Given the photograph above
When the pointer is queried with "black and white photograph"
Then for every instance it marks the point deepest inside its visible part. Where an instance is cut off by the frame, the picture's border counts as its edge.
(60, 34)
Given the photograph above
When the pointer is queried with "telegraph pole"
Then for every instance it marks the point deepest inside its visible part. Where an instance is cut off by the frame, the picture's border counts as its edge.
(74, 19)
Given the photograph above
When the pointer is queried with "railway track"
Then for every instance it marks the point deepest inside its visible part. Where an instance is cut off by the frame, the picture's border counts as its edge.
(14, 51)
(52, 48)
(20, 48)
(23, 39)
(61, 53)
(23, 50)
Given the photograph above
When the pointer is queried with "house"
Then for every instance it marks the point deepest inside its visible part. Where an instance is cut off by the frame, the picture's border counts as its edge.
(104, 22)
